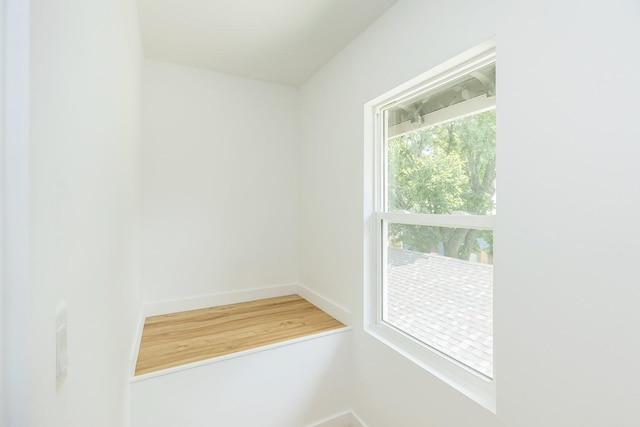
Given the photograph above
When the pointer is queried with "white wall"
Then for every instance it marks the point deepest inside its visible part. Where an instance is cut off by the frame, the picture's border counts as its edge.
(84, 207)
(220, 183)
(566, 283)
(567, 307)
(290, 386)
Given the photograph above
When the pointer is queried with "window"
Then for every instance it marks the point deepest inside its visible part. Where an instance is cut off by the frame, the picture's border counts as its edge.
(435, 205)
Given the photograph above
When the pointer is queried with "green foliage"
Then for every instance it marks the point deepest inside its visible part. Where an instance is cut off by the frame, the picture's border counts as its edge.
(444, 169)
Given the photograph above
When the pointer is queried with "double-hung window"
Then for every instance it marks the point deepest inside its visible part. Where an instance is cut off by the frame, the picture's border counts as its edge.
(435, 204)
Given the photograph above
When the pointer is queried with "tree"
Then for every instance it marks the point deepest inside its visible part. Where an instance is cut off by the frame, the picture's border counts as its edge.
(444, 169)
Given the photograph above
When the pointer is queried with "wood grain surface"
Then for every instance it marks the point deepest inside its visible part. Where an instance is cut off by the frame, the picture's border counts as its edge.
(176, 339)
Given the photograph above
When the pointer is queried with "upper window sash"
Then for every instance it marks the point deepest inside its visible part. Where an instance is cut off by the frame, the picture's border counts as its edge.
(442, 79)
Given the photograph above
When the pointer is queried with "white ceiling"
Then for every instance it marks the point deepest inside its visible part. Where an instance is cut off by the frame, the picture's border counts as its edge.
(283, 41)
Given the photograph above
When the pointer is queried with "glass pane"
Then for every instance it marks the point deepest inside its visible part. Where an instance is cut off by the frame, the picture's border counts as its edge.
(439, 290)
(444, 164)
(419, 109)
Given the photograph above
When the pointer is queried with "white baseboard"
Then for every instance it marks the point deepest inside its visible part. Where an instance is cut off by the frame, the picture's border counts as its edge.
(344, 419)
(356, 421)
(326, 305)
(194, 303)
(135, 348)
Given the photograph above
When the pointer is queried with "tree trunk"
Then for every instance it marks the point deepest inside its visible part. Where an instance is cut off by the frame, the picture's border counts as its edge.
(453, 244)
(469, 242)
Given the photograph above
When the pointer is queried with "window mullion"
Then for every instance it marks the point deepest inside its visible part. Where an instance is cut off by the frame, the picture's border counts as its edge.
(479, 222)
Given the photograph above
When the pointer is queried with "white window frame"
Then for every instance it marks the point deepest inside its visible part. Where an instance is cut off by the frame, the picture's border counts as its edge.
(464, 379)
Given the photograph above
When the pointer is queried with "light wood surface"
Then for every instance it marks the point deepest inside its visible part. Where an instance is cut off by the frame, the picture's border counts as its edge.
(179, 338)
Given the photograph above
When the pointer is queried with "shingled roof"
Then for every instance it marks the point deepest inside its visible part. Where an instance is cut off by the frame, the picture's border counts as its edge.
(444, 302)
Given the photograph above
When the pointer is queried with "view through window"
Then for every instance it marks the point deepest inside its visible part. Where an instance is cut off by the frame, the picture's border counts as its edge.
(437, 201)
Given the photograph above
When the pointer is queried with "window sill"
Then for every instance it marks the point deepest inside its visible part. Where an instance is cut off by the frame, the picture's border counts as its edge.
(473, 385)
